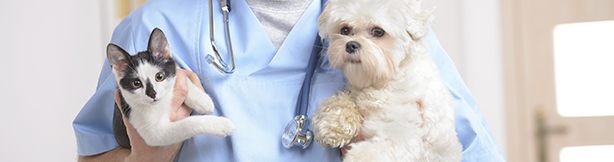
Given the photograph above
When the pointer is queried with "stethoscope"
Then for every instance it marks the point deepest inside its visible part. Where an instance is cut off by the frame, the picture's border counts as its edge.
(295, 133)
(217, 61)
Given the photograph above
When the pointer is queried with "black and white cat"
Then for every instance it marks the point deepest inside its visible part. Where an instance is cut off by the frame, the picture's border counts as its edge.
(146, 82)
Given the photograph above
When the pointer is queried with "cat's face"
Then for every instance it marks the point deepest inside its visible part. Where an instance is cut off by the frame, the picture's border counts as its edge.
(148, 76)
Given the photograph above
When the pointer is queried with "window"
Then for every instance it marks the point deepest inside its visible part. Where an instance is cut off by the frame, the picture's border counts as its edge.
(584, 68)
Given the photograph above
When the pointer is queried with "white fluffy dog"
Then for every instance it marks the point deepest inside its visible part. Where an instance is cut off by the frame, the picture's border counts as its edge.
(380, 47)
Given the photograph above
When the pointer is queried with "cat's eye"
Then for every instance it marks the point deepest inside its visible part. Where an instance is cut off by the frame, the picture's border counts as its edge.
(378, 32)
(159, 77)
(345, 31)
(136, 83)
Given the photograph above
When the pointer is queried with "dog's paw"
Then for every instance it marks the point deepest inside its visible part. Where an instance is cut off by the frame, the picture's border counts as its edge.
(333, 140)
(335, 131)
(336, 122)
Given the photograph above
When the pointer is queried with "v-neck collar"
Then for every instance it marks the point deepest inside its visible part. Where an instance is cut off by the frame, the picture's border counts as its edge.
(278, 17)
(254, 52)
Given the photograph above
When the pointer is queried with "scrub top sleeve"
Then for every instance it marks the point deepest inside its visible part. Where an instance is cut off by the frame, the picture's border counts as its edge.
(93, 125)
(473, 132)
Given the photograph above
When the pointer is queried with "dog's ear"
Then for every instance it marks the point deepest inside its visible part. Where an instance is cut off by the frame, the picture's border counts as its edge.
(419, 23)
(323, 24)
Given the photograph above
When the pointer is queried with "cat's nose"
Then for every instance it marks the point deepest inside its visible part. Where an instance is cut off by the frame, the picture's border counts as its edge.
(150, 92)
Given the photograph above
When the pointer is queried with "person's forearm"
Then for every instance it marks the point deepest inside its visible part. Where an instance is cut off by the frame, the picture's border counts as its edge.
(117, 154)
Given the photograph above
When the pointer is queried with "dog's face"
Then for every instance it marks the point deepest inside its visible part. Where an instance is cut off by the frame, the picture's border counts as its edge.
(369, 38)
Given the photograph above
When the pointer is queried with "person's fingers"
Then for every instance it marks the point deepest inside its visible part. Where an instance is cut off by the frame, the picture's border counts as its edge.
(117, 98)
(358, 138)
(178, 109)
(194, 78)
(181, 89)
(421, 113)
(344, 150)
(181, 112)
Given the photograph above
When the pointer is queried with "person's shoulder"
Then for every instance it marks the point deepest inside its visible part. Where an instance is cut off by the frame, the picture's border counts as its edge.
(179, 19)
(165, 9)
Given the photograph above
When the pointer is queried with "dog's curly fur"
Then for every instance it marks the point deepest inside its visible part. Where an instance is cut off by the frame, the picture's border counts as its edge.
(388, 74)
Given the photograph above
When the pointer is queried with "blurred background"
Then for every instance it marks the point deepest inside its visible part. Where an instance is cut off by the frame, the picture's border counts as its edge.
(540, 70)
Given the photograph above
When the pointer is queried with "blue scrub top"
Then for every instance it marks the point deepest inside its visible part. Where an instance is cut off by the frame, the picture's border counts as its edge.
(260, 97)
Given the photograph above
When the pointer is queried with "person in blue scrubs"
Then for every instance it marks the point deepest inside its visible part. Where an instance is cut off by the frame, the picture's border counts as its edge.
(260, 96)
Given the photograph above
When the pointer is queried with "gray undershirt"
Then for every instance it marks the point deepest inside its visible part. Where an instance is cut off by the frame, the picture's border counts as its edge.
(277, 17)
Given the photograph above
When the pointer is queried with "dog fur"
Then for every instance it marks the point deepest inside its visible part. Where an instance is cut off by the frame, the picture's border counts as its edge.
(388, 74)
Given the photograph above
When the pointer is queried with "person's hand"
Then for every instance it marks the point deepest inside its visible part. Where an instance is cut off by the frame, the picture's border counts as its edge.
(361, 137)
(346, 148)
(143, 152)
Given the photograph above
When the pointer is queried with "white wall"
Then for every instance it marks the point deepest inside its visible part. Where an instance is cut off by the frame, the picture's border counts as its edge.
(469, 31)
(52, 52)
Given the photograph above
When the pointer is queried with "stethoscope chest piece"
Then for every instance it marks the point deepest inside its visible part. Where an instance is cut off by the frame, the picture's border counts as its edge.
(296, 134)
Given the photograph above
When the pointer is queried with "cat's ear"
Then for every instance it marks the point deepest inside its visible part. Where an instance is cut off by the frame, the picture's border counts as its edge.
(117, 58)
(158, 45)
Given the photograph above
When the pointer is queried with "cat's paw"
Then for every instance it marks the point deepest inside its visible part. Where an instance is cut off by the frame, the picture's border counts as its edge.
(203, 105)
(199, 101)
(221, 127)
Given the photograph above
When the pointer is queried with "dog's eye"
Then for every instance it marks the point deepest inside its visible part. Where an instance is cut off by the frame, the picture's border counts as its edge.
(345, 30)
(137, 83)
(378, 32)
(159, 77)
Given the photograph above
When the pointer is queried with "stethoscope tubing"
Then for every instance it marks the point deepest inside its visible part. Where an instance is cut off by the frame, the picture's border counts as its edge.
(303, 99)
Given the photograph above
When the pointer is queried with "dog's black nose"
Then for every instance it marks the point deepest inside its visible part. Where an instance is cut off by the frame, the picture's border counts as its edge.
(351, 47)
